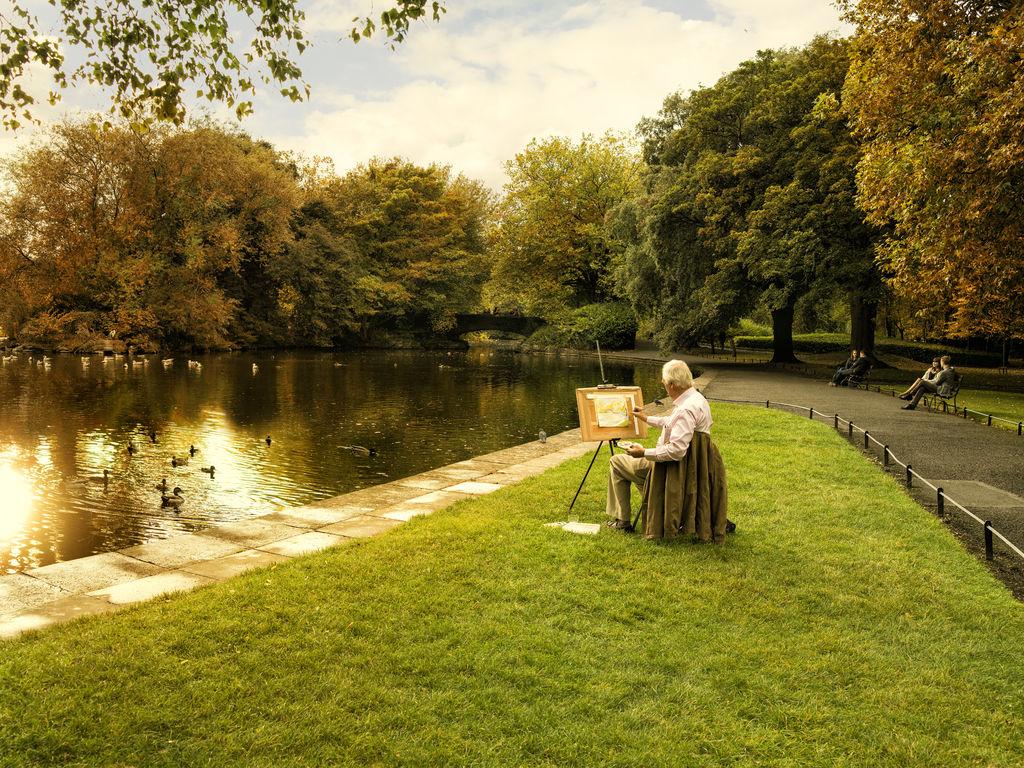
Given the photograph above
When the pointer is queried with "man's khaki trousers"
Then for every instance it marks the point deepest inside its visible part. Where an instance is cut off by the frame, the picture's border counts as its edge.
(624, 471)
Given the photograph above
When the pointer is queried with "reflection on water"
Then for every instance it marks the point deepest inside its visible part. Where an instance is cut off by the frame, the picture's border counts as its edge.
(63, 424)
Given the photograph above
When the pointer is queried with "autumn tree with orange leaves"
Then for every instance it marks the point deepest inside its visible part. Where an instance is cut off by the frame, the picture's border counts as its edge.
(936, 94)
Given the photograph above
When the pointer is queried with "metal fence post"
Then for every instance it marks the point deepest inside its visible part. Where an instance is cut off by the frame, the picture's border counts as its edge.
(849, 429)
(767, 403)
(940, 500)
(988, 540)
(910, 476)
(1020, 428)
(865, 439)
(989, 420)
(835, 423)
(885, 455)
(810, 413)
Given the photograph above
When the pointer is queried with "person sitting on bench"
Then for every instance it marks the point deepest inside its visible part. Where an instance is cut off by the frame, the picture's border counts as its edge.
(691, 414)
(942, 385)
(935, 370)
(854, 371)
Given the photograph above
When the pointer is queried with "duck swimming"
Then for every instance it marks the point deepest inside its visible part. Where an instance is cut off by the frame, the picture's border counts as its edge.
(174, 500)
(162, 485)
(192, 450)
(361, 450)
(208, 470)
(179, 461)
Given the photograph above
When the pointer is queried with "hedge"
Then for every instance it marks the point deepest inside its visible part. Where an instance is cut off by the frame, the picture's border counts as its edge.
(921, 351)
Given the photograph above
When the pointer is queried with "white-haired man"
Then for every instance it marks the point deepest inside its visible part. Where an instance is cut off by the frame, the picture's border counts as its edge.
(691, 414)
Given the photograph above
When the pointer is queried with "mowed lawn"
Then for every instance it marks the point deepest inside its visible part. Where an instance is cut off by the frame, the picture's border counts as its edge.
(841, 626)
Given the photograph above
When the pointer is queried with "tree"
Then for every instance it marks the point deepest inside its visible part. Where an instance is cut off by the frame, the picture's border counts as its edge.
(936, 93)
(551, 223)
(750, 198)
(420, 236)
(140, 234)
(150, 53)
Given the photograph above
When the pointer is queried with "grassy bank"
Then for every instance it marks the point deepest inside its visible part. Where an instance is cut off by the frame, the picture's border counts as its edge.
(842, 625)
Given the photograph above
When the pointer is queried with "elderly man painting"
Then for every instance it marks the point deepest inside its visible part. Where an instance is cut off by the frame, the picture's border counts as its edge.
(691, 414)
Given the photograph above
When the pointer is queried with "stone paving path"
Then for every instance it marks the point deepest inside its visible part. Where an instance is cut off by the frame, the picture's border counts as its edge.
(106, 582)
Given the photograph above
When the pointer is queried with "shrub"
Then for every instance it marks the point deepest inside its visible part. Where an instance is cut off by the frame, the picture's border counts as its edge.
(612, 324)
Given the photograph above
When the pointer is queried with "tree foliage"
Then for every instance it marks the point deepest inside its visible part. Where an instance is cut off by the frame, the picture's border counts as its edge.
(151, 53)
(750, 197)
(551, 223)
(204, 237)
(936, 94)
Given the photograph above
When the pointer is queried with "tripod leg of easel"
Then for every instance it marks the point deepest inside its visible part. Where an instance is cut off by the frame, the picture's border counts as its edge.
(592, 460)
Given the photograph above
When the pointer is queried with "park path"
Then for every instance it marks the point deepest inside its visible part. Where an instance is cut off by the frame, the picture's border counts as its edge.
(981, 467)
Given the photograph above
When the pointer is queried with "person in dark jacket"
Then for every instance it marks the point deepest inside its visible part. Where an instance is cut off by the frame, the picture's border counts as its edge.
(856, 369)
(941, 385)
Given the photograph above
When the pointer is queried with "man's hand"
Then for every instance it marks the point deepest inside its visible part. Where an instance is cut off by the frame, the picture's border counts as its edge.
(639, 413)
(636, 451)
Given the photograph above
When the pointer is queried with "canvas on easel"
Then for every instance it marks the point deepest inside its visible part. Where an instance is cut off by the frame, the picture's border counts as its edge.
(606, 413)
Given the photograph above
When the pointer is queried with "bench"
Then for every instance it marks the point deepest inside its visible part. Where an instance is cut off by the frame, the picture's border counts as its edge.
(861, 380)
(950, 395)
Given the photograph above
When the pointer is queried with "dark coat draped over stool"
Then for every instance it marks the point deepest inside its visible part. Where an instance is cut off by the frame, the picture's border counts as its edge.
(689, 496)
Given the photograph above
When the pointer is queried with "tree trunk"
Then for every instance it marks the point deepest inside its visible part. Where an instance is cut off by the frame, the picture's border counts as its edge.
(1006, 352)
(862, 324)
(782, 335)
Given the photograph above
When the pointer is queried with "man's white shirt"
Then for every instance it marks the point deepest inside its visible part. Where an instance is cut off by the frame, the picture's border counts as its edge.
(691, 414)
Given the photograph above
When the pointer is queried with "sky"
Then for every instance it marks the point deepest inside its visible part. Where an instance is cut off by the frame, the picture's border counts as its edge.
(472, 90)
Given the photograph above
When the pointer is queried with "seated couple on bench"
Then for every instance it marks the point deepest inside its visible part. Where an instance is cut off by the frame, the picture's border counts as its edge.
(683, 476)
(853, 370)
(941, 379)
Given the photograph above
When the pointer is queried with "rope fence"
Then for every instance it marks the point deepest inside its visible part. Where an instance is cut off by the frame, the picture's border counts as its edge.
(932, 402)
(889, 458)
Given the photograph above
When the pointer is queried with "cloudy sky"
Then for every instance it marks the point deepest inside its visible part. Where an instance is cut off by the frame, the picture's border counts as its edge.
(473, 90)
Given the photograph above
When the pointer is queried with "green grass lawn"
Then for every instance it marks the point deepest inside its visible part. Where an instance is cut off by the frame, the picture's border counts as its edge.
(1007, 405)
(841, 626)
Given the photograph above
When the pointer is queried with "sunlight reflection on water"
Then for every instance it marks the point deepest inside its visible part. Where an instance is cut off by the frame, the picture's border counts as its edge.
(61, 427)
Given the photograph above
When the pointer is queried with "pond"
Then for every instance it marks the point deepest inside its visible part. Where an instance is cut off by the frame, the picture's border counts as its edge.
(336, 422)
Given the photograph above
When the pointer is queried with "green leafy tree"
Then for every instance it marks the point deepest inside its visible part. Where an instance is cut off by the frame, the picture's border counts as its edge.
(150, 54)
(421, 237)
(750, 198)
(551, 224)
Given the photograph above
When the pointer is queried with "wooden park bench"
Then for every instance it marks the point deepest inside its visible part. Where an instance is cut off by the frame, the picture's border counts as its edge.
(951, 395)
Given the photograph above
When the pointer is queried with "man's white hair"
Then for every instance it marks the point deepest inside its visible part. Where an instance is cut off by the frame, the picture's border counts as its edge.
(677, 372)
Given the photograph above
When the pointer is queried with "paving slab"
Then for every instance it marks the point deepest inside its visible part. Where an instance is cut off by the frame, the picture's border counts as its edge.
(179, 550)
(94, 572)
(251, 533)
(304, 543)
(481, 464)
(19, 591)
(233, 565)
(475, 488)
(426, 482)
(56, 612)
(315, 517)
(150, 587)
(361, 527)
(434, 500)
(374, 497)
(457, 474)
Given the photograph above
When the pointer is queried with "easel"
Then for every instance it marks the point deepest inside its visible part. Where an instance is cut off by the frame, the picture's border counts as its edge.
(611, 449)
(612, 441)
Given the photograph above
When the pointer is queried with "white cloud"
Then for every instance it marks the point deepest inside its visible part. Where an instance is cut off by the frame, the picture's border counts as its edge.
(472, 95)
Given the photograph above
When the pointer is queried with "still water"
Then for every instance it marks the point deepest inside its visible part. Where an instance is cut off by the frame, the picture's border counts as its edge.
(64, 421)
